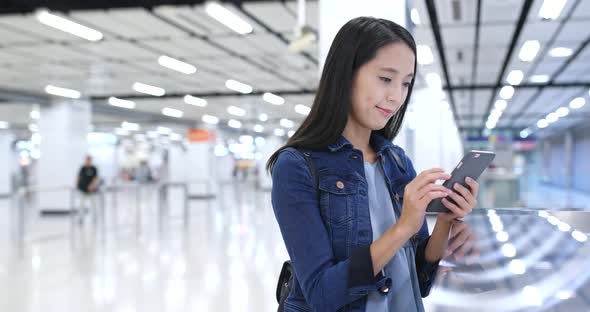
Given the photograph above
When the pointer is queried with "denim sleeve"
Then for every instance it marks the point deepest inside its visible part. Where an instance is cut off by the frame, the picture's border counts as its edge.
(426, 270)
(327, 284)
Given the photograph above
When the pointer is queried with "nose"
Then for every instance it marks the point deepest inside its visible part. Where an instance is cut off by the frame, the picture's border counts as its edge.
(395, 95)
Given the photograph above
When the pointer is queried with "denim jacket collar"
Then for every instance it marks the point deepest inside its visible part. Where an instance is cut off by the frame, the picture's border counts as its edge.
(378, 142)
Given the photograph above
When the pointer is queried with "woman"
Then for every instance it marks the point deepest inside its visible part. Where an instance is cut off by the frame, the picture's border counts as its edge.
(348, 202)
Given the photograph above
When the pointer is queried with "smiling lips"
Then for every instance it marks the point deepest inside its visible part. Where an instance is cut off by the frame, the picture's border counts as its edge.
(386, 112)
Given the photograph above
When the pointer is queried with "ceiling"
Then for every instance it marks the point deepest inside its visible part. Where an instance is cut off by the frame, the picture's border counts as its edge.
(475, 45)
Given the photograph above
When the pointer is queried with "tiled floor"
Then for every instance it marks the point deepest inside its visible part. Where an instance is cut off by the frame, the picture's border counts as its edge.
(226, 259)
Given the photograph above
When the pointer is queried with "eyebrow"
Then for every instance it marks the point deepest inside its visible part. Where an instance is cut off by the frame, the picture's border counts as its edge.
(395, 71)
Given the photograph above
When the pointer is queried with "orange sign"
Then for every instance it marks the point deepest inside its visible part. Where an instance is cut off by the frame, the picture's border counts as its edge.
(200, 135)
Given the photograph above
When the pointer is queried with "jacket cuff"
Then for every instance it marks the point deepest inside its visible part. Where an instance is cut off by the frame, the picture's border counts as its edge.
(426, 270)
(360, 271)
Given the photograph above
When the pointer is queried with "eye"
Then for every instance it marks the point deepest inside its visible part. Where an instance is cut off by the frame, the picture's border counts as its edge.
(385, 79)
(407, 84)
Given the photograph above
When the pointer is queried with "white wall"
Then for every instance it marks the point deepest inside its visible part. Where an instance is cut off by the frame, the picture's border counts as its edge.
(7, 162)
(63, 127)
(437, 142)
(333, 14)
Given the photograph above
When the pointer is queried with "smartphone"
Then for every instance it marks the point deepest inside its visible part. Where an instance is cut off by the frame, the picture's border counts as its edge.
(472, 165)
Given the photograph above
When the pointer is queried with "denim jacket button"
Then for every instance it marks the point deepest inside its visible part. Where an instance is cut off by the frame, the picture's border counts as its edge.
(396, 197)
(339, 185)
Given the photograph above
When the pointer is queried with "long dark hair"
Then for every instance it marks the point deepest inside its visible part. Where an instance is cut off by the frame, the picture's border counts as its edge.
(356, 43)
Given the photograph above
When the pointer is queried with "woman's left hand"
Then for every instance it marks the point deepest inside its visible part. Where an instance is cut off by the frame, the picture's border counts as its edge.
(465, 199)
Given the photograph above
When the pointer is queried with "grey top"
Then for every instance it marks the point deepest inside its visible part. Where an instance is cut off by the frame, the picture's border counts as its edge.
(404, 294)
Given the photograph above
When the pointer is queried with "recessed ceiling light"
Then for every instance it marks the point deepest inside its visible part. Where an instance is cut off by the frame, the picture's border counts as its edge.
(539, 78)
(196, 101)
(415, 16)
(507, 92)
(302, 109)
(551, 9)
(236, 111)
(177, 65)
(263, 117)
(542, 123)
(63, 92)
(515, 77)
(273, 99)
(286, 123)
(236, 124)
(529, 50)
(171, 112)
(228, 18)
(148, 89)
(561, 52)
(238, 86)
(68, 26)
(121, 103)
(578, 102)
(258, 128)
(210, 119)
(425, 56)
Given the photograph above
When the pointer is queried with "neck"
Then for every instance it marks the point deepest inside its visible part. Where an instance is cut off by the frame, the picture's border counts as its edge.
(357, 135)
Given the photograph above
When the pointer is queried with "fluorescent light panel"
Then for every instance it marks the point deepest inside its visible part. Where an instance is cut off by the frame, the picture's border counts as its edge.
(273, 99)
(236, 124)
(171, 112)
(286, 123)
(561, 52)
(68, 26)
(238, 86)
(148, 89)
(551, 9)
(515, 77)
(121, 103)
(228, 18)
(236, 111)
(196, 101)
(415, 16)
(539, 78)
(425, 56)
(210, 119)
(58, 91)
(529, 50)
(177, 65)
(302, 109)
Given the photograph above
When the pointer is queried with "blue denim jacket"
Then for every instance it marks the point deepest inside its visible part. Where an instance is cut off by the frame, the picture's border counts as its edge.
(327, 229)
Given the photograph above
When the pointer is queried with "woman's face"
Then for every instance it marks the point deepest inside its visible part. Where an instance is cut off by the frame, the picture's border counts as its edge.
(380, 86)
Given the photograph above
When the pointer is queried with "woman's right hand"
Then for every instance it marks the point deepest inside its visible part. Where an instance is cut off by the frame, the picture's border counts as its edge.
(418, 194)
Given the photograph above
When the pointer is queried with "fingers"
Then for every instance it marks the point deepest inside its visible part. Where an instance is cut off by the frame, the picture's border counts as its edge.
(459, 241)
(467, 195)
(461, 202)
(430, 188)
(430, 196)
(429, 176)
(459, 213)
(473, 185)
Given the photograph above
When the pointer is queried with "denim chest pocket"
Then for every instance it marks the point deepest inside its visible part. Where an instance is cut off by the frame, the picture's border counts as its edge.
(337, 196)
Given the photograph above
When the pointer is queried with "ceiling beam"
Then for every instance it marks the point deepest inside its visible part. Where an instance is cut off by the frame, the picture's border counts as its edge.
(563, 85)
(205, 95)
(135, 115)
(539, 59)
(441, 51)
(225, 49)
(475, 54)
(10, 95)
(515, 35)
(29, 6)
